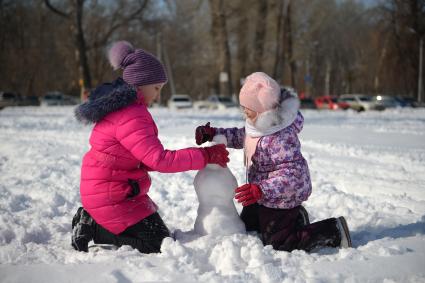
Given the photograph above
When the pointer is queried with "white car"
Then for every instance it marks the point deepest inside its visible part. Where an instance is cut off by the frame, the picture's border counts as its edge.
(359, 102)
(179, 101)
(215, 102)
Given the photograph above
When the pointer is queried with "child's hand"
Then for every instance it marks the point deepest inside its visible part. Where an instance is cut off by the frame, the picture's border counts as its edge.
(204, 133)
(248, 194)
(217, 154)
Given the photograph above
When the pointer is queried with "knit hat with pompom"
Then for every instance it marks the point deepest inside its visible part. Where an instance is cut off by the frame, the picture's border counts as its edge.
(139, 67)
(259, 93)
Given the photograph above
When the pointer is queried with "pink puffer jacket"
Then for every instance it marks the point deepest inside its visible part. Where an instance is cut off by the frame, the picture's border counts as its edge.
(124, 147)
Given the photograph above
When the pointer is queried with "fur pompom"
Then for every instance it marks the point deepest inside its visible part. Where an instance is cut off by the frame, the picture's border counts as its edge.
(118, 52)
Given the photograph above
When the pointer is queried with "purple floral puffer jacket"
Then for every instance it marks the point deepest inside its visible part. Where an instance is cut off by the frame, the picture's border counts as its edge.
(278, 166)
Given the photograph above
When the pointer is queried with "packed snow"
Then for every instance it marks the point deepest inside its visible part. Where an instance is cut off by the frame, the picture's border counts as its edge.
(215, 186)
(368, 167)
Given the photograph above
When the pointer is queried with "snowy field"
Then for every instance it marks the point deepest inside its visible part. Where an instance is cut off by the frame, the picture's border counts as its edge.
(369, 167)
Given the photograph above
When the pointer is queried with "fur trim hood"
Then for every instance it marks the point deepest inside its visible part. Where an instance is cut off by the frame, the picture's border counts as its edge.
(105, 99)
(283, 115)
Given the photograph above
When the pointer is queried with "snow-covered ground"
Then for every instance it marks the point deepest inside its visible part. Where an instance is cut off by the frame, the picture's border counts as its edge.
(369, 167)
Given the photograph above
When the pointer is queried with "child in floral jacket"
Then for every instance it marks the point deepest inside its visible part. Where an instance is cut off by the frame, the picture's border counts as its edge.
(278, 178)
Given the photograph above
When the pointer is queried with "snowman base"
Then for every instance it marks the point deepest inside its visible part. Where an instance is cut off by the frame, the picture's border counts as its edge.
(217, 214)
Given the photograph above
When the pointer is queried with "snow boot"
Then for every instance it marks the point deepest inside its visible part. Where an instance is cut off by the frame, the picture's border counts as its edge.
(76, 217)
(345, 232)
(302, 219)
(82, 230)
(146, 235)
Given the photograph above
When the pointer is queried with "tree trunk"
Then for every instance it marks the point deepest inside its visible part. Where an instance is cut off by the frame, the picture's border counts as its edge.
(81, 47)
(242, 54)
(260, 34)
(279, 61)
(219, 33)
(328, 77)
(289, 40)
(376, 85)
(76, 27)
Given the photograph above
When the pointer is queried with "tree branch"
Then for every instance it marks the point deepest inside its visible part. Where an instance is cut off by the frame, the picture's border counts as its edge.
(57, 11)
(123, 22)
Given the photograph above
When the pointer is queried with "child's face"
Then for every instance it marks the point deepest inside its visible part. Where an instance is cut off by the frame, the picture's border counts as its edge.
(249, 114)
(151, 92)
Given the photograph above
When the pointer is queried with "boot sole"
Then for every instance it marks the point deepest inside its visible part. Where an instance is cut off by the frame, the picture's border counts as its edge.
(345, 233)
(103, 247)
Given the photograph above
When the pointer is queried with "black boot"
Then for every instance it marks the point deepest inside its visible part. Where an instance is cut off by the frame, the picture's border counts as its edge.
(82, 230)
(302, 219)
(146, 235)
(345, 232)
(324, 233)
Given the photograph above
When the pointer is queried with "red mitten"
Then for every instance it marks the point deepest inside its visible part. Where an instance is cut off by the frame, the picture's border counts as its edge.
(217, 154)
(248, 194)
(204, 133)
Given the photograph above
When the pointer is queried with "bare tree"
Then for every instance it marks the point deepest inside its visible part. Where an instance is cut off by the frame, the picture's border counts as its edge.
(260, 34)
(220, 38)
(338, 46)
(289, 40)
(279, 60)
(75, 18)
(242, 43)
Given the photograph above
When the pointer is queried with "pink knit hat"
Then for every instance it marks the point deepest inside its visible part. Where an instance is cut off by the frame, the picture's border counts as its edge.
(259, 93)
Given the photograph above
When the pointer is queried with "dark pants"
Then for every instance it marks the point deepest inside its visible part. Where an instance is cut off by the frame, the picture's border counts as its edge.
(146, 235)
(280, 228)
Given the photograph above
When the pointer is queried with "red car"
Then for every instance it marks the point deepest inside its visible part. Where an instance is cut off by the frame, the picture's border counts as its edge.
(330, 102)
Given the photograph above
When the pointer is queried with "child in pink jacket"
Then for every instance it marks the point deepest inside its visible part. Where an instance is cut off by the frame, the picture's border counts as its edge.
(124, 147)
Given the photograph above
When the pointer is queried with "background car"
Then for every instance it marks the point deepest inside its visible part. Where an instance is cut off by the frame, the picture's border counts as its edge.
(387, 101)
(360, 102)
(307, 103)
(179, 101)
(29, 100)
(8, 98)
(330, 102)
(409, 101)
(215, 102)
(56, 98)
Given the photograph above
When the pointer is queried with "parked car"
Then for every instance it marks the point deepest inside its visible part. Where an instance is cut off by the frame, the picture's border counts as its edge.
(179, 101)
(409, 101)
(215, 102)
(387, 101)
(8, 98)
(56, 98)
(360, 102)
(307, 103)
(330, 102)
(29, 100)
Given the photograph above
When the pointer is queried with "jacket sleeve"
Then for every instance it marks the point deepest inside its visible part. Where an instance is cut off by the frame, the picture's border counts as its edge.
(138, 136)
(287, 188)
(298, 122)
(235, 136)
(290, 189)
(272, 189)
